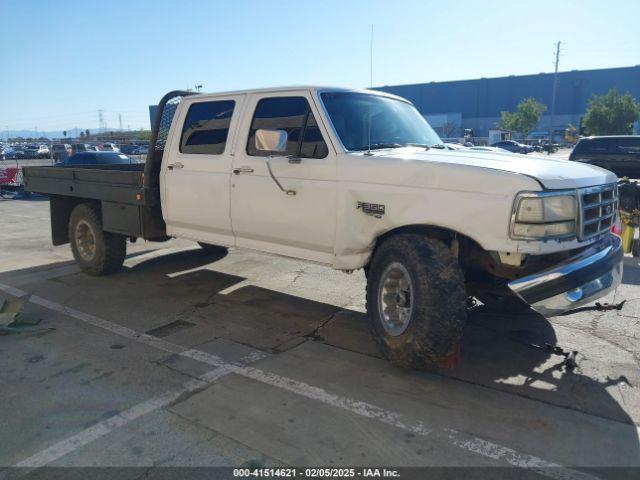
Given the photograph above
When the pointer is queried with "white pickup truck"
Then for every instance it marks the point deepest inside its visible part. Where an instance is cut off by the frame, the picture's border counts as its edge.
(352, 179)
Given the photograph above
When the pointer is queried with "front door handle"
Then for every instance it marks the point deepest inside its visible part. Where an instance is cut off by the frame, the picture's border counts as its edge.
(175, 166)
(240, 170)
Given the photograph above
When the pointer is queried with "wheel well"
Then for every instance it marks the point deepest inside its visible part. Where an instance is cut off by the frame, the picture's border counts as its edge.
(61, 208)
(444, 234)
(464, 248)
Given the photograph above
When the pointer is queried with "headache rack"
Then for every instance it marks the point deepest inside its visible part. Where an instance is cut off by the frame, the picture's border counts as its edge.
(598, 207)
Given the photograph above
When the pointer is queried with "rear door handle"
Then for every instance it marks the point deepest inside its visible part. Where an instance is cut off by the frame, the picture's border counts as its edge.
(175, 166)
(240, 170)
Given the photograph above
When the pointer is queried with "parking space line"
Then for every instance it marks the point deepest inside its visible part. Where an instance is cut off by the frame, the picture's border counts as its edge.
(100, 429)
(463, 441)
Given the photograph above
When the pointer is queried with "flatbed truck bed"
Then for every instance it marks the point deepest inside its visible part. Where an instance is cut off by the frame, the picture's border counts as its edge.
(128, 207)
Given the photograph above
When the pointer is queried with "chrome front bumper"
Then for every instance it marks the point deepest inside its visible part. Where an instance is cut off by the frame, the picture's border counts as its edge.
(579, 280)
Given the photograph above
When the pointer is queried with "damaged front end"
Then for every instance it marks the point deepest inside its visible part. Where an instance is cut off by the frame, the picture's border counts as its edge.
(576, 281)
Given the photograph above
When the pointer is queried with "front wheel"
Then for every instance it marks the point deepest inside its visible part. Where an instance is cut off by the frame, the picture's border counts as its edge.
(97, 252)
(416, 301)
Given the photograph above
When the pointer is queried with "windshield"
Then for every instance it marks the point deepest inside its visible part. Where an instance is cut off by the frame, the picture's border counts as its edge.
(363, 119)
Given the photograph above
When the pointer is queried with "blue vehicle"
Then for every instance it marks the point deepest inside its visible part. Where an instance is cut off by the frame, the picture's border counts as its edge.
(96, 158)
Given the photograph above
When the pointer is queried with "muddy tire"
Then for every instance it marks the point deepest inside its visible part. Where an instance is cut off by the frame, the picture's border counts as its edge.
(96, 252)
(209, 248)
(416, 301)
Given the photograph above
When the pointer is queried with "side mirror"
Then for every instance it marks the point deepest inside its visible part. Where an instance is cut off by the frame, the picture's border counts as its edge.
(274, 141)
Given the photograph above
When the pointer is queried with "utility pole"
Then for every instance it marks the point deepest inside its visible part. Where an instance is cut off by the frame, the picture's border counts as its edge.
(100, 120)
(553, 97)
(120, 121)
(371, 58)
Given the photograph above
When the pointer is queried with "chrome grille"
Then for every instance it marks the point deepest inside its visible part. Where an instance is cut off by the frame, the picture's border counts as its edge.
(598, 207)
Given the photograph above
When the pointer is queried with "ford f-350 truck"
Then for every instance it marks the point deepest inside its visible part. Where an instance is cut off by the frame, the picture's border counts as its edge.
(352, 179)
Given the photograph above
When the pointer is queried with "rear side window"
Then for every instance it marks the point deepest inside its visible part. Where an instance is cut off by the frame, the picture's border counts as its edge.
(294, 115)
(626, 146)
(206, 127)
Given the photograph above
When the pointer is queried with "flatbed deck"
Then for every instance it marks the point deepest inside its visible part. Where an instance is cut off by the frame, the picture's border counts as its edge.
(127, 206)
(114, 183)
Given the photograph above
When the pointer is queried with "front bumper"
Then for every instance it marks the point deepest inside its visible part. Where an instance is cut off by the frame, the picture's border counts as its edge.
(581, 279)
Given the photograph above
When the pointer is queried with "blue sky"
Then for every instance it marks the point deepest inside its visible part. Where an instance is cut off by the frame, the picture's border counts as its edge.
(63, 60)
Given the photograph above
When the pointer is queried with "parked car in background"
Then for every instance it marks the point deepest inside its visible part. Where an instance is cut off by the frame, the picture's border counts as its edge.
(92, 148)
(618, 154)
(110, 147)
(489, 149)
(128, 149)
(43, 151)
(79, 147)
(141, 150)
(513, 146)
(18, 153)
(96, 158)
(60, 151)
(31, 151)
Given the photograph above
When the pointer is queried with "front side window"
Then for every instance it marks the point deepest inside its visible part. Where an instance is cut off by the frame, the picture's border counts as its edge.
(294, 115)
(598, 145)
(364, 121)
(206, 127)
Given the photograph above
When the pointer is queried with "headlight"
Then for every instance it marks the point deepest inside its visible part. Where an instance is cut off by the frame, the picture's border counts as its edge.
(540, 215)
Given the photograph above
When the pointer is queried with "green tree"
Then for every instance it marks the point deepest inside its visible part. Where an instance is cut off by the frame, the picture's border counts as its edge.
(526, 116)
(87, 132)
(611, 114)
(64, 132)
(81, 134)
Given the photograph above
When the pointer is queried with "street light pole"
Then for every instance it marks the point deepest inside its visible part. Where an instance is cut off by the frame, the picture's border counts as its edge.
(553, 98)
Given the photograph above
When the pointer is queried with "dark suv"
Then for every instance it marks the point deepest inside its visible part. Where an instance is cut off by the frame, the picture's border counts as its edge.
(619, 154)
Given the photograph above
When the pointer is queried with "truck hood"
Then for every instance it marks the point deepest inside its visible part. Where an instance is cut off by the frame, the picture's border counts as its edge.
(551, 173)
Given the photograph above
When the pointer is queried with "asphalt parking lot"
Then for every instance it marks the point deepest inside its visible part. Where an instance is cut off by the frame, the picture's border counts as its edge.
(191, 359)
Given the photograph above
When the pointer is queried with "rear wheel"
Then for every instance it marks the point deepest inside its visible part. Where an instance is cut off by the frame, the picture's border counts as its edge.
(635, 247)
(97, 252)
(416, 301)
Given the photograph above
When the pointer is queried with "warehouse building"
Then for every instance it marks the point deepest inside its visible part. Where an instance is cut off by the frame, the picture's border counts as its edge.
(451, 107)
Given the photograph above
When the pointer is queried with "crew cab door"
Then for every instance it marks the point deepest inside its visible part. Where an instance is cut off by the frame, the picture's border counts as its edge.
(300, 223)
(196, 170)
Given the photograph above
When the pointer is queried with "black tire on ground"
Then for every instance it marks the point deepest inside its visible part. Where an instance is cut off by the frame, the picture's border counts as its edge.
(96, 252)
(209, 248)
(436, 296)
(635, 247)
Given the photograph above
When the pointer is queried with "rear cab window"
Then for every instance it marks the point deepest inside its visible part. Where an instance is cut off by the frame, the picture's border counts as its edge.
(206, 127)
(294, 115)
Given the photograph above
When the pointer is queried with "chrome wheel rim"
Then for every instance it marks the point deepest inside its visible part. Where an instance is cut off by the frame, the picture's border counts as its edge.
(85, 241)
(395, 299)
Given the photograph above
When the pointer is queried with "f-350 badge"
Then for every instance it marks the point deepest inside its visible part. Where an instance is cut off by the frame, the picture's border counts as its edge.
(373, 209)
